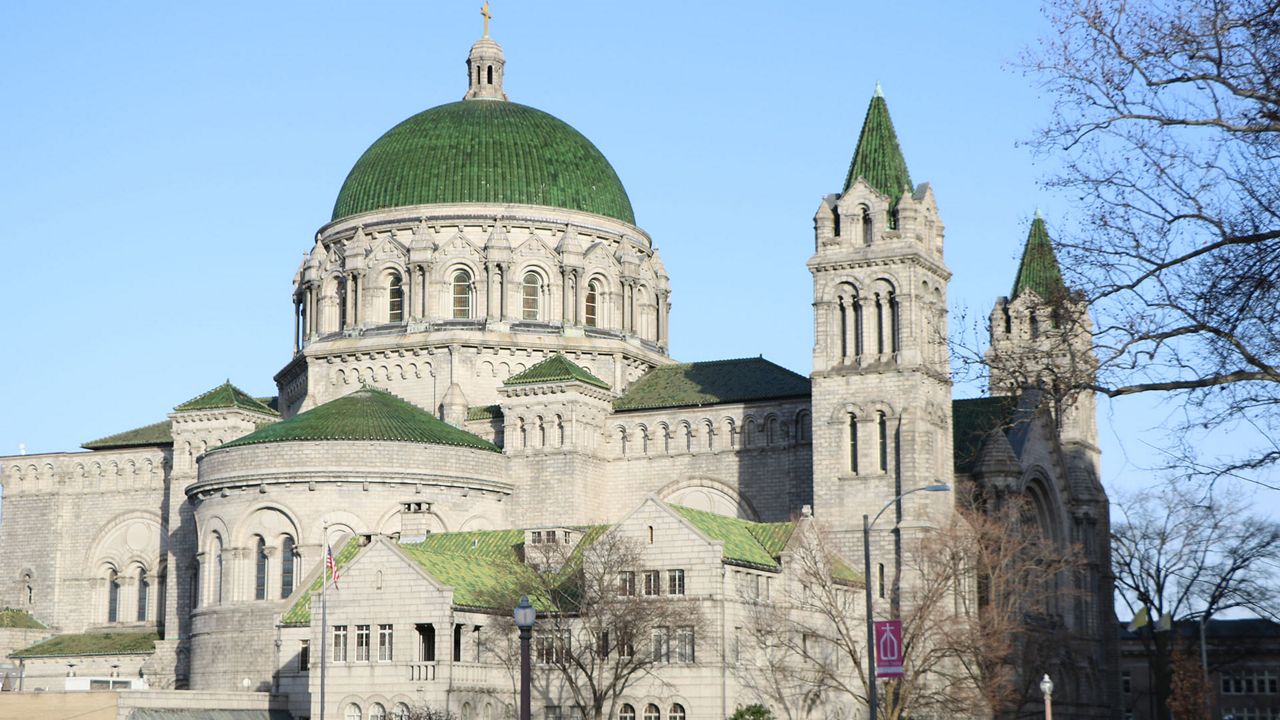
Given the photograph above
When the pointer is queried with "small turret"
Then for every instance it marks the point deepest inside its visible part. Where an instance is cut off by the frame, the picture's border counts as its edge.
(485, 66)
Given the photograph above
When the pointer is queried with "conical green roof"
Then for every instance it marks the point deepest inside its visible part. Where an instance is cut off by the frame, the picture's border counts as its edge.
(224, 396)
(878, 158)
(556, 368)
(366, 414)
(1039, 270)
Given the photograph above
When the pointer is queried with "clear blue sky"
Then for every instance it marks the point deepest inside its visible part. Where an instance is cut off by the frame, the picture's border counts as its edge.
(166, 165)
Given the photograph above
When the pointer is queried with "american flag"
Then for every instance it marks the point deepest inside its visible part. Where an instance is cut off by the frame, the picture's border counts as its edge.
(330, 565)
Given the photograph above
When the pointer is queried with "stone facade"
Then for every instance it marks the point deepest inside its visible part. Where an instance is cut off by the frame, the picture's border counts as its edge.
(209, 542)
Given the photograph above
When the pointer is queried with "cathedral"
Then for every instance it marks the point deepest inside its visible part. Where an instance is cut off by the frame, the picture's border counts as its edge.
(480, 366)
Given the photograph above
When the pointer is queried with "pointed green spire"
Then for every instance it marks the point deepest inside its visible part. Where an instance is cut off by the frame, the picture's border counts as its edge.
(878, 158)
(1039, 268)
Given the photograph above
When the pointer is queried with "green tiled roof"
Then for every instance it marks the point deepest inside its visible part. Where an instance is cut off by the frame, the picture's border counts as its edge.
(972, 420)
(19, 620)
(226, 395)
(556, 368)
(1039, 270)
(708, 383)
(300, 612)
(484, 412)
(155, 434)
(483, 151)
(366, 414)
(878, 157)
(745, 542)
(108, 643)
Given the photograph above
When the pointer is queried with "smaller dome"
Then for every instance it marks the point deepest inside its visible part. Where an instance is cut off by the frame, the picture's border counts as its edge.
(366, 414)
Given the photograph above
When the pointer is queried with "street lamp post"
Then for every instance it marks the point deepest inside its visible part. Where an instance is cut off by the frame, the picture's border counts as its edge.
(525, 616)
(866, 577)
(1046, 687)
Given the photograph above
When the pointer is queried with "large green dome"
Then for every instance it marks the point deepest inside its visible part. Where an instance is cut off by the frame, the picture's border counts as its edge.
(483, 151)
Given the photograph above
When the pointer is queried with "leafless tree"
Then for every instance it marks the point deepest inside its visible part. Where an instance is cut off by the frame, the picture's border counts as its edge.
(599, 628)
(973, 598)
(1166, 123)
(1187, 555)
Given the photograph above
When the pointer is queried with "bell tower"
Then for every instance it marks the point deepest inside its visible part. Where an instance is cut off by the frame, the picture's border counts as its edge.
(881, 388)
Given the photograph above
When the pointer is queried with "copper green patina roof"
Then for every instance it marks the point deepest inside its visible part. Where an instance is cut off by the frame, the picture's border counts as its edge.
(745, 543)
(366, 414)
(484, 412)
(1039, 269)
(300, 612)
(19, 620)
(972, 421)
(708, 383)
(483, 151)
(224, 396)
(153, 435)
(556, 368)
(109, 643)
(878, 158)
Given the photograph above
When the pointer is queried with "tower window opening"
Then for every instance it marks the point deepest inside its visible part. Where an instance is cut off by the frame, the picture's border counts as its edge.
(113, 597)
(868, 226)
(844, 330)
(531, 296)
(881, 569)
(884, 443)
(217, 569)
(835, 221)
(395, 299)
(894, 326)
(853, 443)
(857, 327)
(879, 324)
(342, 304)
(1035, 324)
(1008, 319)
(288, 566)
(462, 295)
(490, 74)
(260, 574)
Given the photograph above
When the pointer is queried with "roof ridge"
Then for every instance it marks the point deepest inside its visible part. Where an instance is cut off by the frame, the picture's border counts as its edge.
(1038, 269)
(213, 399)
(878, 156)
(555, 368)
(156, 433)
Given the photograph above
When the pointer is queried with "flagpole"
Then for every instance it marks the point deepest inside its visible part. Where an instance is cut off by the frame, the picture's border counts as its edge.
(324, 611)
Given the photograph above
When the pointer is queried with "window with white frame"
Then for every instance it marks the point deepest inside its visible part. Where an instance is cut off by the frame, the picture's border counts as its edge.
(339, 643)
(362, 643)
(386, 642)
(461, 295)
(675, 582)
(684, 644)
(661, 637)
(652, 582)
(627, 582)
(1250, 682)
(651, 712)
(354, 712)
(531, 296)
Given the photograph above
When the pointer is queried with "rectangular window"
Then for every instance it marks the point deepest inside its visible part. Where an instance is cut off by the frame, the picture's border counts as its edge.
(304, 655)
(385, 643)
(675, 582)
(1251, 682)
(426, 642)
(457, 643)
(662, 644)
(536, 537)
(1126, 682)
(853, 443)
(684, 644)
(551, 646)
(626, 583)
(737, 645)
(339, 643)
(884, 443)
(362, 643)
(652, 582)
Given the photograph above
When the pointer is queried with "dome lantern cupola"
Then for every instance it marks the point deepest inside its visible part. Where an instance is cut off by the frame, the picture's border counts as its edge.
(484, 66)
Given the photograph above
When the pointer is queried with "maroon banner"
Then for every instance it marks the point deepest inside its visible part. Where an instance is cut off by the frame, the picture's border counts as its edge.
(888, 648)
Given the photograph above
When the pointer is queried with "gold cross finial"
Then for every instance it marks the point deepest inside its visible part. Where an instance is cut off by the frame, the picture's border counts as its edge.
(485, 12)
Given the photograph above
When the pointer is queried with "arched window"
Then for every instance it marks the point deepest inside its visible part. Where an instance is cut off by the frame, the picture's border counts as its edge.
(644, 439)
(489, 69)
(402, 711)
(893, 322)
(353, 712)
(844, 330)
(771, 430)
(28, 589)
(342, 303)
(524, 433)
(144, 593)
(531, 296)
(803, 426)
(377, 712)
(288, 566)
(113, 597)
(195, 584)
(627, 712)
(688, 438)
(880, 323)
(676, 712)
(622, 438)
(559, 431)
(651, 712)
(542, 432)
(1035, 324)
(853, 443)
(665, 432)
(732, 430)
(884, 443)
(260, 569)
(395, 299)
(868, 226)
(710, 433)
(462, 295)
(467, 713)
(217, 569)
(857, 327)
(592, 318)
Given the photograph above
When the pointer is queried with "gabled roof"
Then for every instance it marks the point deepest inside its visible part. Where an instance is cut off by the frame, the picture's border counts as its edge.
(878, 158)
(712, 382)
(556, 368)
(972, 421)
(154, 435)
(746, 543)
(107, 643)
(1039, 269)
(226, 395)
(299, 613)
(484, 412)
(366, 414)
